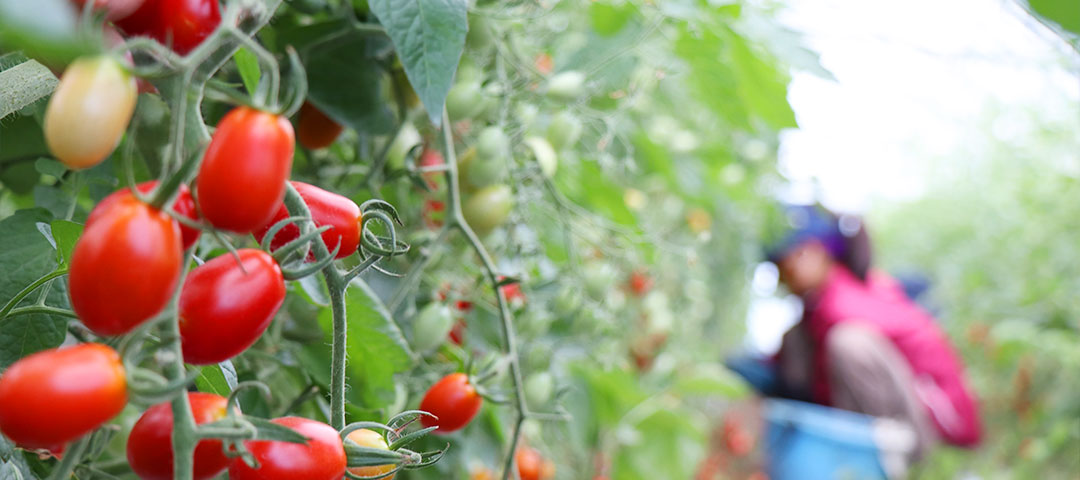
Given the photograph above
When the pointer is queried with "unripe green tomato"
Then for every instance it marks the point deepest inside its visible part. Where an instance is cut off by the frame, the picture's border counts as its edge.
(526, 114)
(493, 143)
(544, 154)
(431, 326)
(598, 276)
(488, 208)
(567, 302)
(480, 35)
(408, 138)
(481, 171)
(564, 130)
(464, 101)
(538, 389)
(566, 85)
(490, 102)
(89, 111)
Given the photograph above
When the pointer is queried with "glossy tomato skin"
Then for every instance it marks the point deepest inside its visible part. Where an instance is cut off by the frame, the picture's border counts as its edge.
(327, 208)
(323, 458)
(184, 204)
(186, 23)
(224, 308)
(149, 447)
(125, 266)
(242, 178)
(372, 439)
(314, 129)
(89, 111)
(454, 400)
(143, 21)
(52, 397)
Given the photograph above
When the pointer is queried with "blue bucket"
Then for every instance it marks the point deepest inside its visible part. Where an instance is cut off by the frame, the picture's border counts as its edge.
(805, 441)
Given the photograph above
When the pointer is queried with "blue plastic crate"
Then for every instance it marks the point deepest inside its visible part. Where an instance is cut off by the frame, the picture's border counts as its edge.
(805, 441)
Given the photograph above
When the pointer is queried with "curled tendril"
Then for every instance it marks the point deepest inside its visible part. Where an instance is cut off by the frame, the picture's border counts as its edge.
(298, 273)
(268, 237)
(300, 242)
(233, 406)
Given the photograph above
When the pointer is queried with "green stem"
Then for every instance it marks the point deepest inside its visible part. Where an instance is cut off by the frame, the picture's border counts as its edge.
(71, 458)
(336, 285)
(10, 305)
(455, 218)
(184, 437)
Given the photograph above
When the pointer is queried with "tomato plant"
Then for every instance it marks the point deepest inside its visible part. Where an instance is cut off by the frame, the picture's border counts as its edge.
(322, 458)
(149, 447)
(330, 209)
(225, 305)
(131, 251)
(370, 438)
(315, 130)
(89, 111)
(453, 400)
(183, 205)
(242, 178)
(50, 398)
(533, 466)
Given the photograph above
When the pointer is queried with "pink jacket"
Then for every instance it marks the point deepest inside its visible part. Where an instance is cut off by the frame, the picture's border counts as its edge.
(880, 303)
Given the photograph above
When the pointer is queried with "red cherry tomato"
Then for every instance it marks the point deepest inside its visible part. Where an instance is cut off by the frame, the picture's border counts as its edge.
(224, 308)
(454, 400)
(125, 265)
(457, 332)
(514, 296)
(52, 397)
(186, 23)
(531, 465)
(242, 178)
(184, 205)
(433, 213)
(314, 129)
(640, 283)
(327, 208)
(149, 448)
(430, 157)
(323, 458)
(142, 21)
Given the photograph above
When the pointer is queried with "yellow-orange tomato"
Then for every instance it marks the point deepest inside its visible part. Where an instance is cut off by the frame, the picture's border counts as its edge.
(370, 438)
(89, 111)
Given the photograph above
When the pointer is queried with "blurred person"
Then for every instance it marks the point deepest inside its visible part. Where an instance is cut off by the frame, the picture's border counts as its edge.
(862, 344)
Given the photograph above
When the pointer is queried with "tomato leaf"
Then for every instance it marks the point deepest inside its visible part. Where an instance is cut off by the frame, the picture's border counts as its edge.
(219, 379)
(248, 65)
(27, 256)
(345, 82)
(267, 430)
(11, 461)
(26, 83)
(314, 290)
(376, 348)
(429, 36)
(65, 233)
(1064, 13)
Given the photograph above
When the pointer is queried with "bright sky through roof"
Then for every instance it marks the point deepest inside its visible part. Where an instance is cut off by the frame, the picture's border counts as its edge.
(913, 79)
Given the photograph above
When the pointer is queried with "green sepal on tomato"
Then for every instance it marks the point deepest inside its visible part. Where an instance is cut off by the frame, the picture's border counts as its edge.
(327, 208)
(453, 400)
(322, 458)
(89, 111)
(52, 397)
(242, 177)
(149, 447)
(371, 439)
(225, 307)
(125, 266)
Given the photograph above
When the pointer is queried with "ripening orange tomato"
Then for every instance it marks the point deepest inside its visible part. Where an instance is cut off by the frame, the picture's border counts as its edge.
(89, 111)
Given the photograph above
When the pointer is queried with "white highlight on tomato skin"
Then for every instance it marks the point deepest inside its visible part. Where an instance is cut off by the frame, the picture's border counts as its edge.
(89, 111)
